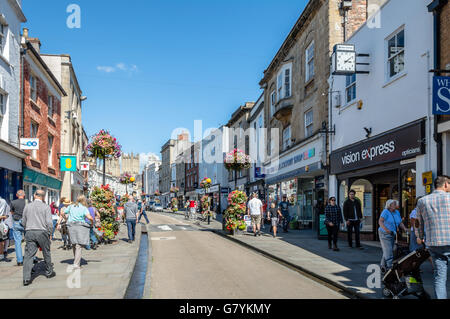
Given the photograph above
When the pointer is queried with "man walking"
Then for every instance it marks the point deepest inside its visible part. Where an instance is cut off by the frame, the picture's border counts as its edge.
(142, 212)
(353, 217)
(433, 213)
(284, 208)
(37, 221)
(255, 210)
(131, 215)
(17, 207)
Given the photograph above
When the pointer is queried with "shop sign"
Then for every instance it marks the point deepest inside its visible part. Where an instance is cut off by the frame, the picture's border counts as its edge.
(441, 95)
(84, 166)
(427, 178)
(225, 190)
(68, 163)
(213, 189)
(29, 144)
(396, 146)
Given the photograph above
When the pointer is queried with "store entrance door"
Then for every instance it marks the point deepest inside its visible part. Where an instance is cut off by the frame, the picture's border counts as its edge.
(382, 193)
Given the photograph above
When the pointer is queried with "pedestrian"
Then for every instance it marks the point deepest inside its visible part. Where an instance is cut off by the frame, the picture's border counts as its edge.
(192, 208)
(38, 225)
(17, 207)
(284, 208)
(95, 215)
(433, 213)
(142, 212)
(390, 221)
(4, 229)
(413, 245)
(353, 217)
(61, 225)
(131, 215)
(333, 220)
(272, 216)
(78, 228)
(255, 210)
(55, 217)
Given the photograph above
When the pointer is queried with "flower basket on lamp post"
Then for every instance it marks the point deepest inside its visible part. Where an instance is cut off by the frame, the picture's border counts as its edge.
(234, 214)
(126, 179)
(236, 161)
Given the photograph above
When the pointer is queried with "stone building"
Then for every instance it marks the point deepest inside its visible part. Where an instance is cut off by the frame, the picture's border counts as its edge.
(441, 16)
(11, 17)
(42, 94)
(113, 167)
(165, 173)
(130, 164)
(296, 104)
(71, 111)
(238, 138)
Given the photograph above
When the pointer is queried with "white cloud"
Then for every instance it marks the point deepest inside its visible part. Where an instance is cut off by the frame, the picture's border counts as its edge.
(118, 67)
(145, 157)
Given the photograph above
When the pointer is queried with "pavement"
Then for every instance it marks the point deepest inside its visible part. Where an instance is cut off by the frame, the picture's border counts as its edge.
(346, 269)
(105, 273)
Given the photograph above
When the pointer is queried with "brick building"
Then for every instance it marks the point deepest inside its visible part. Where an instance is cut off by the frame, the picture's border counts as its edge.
(192, 171)
(41, 93)
(441, 13)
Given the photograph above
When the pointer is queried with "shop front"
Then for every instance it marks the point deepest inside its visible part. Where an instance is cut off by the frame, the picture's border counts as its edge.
(384, 167)
(296, 177)
(34, 180)
(77, 185)
(10, 170)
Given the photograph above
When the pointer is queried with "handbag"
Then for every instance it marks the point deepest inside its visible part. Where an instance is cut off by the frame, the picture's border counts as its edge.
(3, 230)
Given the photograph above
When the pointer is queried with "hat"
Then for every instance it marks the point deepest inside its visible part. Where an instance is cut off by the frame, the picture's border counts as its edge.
(66, 201)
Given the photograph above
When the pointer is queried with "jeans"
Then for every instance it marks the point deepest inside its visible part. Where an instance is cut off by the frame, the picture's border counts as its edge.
(332, 234)
(144, 213)
(18, 233)
(387, 244)
(285, 222)
(93, 239)
(131, 225)
(440, 257)
(55, 221)
(413, 245)
(354, 224)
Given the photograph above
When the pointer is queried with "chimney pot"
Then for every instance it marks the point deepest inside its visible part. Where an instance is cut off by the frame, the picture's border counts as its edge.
(25, 32)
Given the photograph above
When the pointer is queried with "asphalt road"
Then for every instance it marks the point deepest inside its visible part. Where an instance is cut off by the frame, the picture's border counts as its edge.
(188, 263)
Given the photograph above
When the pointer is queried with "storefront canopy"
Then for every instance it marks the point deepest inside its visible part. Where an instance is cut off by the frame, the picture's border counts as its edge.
(33, 177)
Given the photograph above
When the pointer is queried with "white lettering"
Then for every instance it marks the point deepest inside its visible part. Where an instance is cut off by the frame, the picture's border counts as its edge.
(374, 279)
(74, 19)
(444, 99)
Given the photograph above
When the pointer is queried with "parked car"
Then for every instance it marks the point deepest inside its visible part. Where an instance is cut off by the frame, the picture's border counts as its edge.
(157, 207)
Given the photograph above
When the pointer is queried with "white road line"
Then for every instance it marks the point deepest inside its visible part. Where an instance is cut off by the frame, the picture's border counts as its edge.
(165, 228)
(163, 238)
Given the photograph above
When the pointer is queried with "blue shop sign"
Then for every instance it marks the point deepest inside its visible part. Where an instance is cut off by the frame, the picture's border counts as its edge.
(441, 95)
(33, 177)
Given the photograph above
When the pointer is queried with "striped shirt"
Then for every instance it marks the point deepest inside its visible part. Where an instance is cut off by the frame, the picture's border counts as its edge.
(333, 215)
(433, 213)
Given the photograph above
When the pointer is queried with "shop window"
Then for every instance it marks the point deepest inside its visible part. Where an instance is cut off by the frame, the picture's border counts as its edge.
(364, 193)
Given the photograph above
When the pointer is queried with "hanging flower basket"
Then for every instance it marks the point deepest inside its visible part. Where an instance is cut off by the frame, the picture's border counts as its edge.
(103, 199)
(174, 190)
(174, 203)
(104, 145)
(157, 193)
(125, 179)
(234, 214)
(237, 160)
(205, 183)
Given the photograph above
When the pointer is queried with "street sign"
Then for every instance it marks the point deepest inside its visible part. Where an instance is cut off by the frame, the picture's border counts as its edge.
(68, 163)
(428, 189)
(84, 166)
(427, 178)
(29, 144)
(441, 95)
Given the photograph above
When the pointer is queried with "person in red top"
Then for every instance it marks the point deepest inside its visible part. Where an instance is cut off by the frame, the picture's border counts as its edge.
(192, 208)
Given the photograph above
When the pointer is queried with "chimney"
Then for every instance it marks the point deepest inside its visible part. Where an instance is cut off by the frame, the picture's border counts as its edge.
(35, 42)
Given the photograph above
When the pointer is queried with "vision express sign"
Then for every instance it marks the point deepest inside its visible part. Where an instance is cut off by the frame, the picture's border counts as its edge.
(398, 145)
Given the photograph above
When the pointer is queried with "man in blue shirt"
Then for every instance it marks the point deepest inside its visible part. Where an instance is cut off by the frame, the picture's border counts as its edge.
(284, 208)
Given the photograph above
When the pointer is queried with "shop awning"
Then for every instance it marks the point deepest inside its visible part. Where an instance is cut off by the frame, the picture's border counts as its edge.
(295, 173)
(33, 177)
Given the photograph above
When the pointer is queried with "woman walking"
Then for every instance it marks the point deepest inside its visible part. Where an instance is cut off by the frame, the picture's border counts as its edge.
(61, 224)
(78, 228)
(95, 216)
(390, 221)
(55, 217)
(272, 215)
(333, 220)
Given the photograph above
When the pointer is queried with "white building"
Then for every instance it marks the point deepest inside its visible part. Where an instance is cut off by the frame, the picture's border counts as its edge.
(151, 177)
(257, 147)
(384, 139)
(96, 180)
(11, 17)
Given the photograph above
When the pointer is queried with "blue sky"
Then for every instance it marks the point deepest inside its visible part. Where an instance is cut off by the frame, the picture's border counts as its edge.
(148, 67)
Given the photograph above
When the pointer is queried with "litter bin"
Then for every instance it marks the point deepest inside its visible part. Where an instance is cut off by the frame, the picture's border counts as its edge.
(322, 232)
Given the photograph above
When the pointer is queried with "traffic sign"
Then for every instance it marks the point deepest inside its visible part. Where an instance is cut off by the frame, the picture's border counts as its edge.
(427, 178)
(68, 163)
(29, 144)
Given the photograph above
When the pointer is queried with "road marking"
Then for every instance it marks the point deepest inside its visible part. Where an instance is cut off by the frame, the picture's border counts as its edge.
(163, 238)
(165, 227)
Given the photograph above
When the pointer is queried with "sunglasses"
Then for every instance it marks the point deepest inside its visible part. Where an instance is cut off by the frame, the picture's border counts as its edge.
(332, 200)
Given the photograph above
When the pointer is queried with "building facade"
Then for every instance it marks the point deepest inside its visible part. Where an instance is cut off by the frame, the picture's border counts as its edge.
(11, 175)
(384, 129)
(41, 94)
(71, 128)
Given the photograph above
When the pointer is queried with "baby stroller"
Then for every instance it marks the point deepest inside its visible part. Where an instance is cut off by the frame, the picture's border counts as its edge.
(404, 278)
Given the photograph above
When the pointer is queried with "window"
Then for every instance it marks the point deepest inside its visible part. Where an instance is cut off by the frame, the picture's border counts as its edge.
(286, 137)
(396, 54)
(2, 37)
(308, 123)
(33, 89)
(50, 150)
(50, 106)
(309, 62)
(287, 83)
(280, 85)
(350, 87)
(272, 103)
(2, 109)
(34, 134)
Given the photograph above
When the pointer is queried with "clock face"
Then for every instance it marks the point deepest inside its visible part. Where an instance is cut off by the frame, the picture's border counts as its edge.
(346, 61)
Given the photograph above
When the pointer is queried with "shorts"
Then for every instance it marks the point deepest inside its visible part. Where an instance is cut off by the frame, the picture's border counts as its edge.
(256, 219)
(274, 221)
